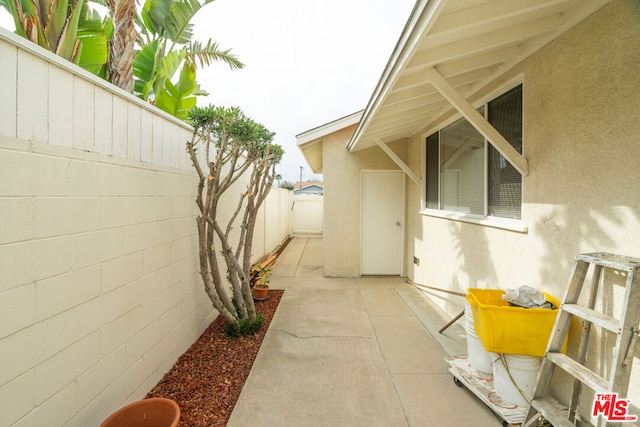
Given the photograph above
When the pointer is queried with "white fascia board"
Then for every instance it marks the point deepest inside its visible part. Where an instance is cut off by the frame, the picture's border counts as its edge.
(329, 128)
(423, 16)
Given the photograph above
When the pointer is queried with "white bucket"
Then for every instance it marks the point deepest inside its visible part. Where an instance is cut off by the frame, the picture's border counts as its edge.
(479, 358)
(524, 372)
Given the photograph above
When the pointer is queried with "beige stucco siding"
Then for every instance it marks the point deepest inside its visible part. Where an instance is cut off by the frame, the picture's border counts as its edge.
(342, 199)
(582, 138)
(581, 135)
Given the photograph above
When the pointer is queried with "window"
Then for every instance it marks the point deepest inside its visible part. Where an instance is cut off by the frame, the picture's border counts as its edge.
(465, 174)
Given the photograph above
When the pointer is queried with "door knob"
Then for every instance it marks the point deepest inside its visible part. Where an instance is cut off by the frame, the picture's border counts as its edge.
(398, 223)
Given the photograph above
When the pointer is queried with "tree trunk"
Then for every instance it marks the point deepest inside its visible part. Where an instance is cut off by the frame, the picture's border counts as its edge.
(122, 44)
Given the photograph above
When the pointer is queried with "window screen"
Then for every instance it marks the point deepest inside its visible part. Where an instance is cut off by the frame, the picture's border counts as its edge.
(505, 183)
(433, 182)
(462, 168)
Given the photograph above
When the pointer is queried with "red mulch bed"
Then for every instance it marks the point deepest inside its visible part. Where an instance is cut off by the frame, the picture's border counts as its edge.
(207, 379)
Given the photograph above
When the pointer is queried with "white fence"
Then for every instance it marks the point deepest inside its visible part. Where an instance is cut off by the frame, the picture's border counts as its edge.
(307, 214)
(99, 285)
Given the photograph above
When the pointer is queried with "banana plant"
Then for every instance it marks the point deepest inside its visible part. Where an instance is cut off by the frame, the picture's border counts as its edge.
(180, 98)
(68, 29)
(166, 46)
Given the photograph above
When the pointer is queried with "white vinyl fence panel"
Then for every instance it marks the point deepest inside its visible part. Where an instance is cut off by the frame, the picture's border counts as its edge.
(307, 214)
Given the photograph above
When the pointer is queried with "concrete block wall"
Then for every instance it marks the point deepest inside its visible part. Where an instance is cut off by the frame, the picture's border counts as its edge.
(99, 285)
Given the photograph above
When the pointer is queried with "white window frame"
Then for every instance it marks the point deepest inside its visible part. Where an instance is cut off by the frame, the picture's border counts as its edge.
(517, 225)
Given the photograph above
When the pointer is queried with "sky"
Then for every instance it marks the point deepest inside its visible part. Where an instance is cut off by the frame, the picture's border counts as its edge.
(307, 62)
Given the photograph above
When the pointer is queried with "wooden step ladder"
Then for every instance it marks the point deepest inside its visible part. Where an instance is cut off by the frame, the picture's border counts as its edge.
(625, 328)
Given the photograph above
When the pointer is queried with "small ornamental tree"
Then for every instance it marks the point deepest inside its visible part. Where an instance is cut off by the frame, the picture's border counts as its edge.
(225, 146)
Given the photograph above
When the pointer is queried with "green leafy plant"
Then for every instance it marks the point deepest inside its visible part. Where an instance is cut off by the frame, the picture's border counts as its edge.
(69, 29)
(264, 276)
(231, 145)
(166, 46)
(244, 327)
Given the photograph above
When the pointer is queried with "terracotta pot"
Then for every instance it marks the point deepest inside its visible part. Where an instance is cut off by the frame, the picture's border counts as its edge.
(155, 412)
(260, 292)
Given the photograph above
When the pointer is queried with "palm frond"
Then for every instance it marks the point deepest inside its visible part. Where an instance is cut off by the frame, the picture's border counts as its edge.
(210, 52)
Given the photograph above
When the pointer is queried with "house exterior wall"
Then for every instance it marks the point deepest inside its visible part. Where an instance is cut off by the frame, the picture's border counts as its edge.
(341, 175)
(581, 137)
(99, 291)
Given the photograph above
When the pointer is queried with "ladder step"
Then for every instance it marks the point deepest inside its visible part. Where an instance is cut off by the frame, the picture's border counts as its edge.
(618, 262)
(593, 316)
(579, 371)
(552, 411)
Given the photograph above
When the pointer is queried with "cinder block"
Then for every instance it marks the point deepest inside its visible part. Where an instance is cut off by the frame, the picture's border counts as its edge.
(155, 359)
(63, 292)
(120, 271)
(182, 248)
(22, 351)
(17, 306)
(88, 179)
(118, 331)
(170, 320)
(177, 184)
(95, 247)
(62, 369)
(120, 211)
(57, 216)
(143, 236)
(142, 342)
(54, 412)
(17, 398)
(21, 263)
(33, 91)
(60, 107)
(93, 381)
(141, 290)
(96, 313)
(118, 392)
(18, 179)
(155, 258)
(89, 414)
(156, 208)
(183, 206)
(157, 306)
(138, 182)
(17, 219)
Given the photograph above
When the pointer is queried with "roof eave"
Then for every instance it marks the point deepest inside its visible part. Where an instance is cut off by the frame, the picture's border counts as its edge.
(423, 15)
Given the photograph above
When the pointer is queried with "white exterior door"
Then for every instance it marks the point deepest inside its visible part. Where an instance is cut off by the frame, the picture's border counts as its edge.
(382, 222)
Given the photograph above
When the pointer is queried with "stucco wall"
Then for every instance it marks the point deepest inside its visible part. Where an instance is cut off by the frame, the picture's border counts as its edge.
(581, 137)
(342, 181)
(99, 285)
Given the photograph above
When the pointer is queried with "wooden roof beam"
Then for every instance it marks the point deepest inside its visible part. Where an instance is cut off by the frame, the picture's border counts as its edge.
(415, 178)
(477, 121)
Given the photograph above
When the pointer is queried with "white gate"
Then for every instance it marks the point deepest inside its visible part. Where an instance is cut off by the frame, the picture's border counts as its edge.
(307, 214)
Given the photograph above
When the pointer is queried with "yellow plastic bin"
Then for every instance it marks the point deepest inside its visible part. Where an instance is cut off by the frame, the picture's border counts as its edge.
(503, 328)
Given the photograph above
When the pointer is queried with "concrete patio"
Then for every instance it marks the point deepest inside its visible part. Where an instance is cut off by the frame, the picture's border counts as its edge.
(353, 352)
